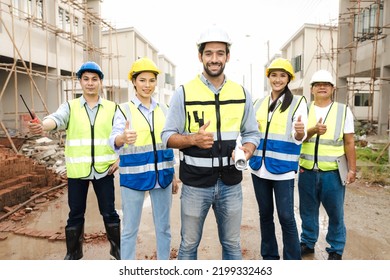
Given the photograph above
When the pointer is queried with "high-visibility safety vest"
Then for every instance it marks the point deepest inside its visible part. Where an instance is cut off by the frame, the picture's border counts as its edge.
(87, 144)
(225, 111)
(277, 147)
(147, 160)
(325, 149)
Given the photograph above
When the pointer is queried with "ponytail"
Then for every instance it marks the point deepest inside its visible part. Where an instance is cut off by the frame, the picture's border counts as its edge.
(288, 97)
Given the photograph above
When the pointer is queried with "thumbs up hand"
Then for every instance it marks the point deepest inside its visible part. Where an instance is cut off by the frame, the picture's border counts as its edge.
(320, 127)
(299, 125)
(203, 139)
(299, 128)
(129, 136)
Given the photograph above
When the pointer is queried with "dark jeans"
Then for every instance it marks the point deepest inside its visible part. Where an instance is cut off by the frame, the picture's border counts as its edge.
(77, 199)
(284, 198)
(326, 188)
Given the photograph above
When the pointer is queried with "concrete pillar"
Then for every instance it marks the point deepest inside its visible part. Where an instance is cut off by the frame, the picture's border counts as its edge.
(92, 32)
(383, 115)
(341, 94)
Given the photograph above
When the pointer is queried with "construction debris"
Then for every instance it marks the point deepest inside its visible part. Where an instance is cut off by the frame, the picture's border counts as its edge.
(38, 166)
(47, 152)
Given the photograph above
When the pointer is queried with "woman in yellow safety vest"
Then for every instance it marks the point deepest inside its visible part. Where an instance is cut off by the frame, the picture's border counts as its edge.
(145, 163)
(281, 118)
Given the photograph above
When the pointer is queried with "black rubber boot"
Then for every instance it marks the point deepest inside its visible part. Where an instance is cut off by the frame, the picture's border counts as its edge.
(74, 242)
(114, 237)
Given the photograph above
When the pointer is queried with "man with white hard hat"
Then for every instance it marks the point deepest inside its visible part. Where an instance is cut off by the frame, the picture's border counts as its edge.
(205, 118)
(330, 137)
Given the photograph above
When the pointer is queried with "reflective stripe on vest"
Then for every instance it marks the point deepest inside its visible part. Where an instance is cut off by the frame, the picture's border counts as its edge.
(225, 111)
(331, 144)
(281, 152)
(87, 145)
(147, 160)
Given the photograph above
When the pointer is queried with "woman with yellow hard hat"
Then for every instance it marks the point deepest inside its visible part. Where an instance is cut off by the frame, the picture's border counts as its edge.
(145, 163)
(282, 119)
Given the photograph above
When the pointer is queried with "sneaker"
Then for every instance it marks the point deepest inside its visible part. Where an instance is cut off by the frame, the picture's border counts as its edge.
(305, 250)
(334, 256)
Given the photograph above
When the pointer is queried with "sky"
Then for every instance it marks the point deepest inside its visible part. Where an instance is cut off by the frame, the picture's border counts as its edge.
(258, 30)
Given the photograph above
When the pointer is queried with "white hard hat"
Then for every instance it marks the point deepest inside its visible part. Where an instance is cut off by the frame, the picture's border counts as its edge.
(322, 76)
(214, 34)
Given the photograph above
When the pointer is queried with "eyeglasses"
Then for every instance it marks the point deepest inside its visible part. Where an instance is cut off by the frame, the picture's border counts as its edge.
(322, 85)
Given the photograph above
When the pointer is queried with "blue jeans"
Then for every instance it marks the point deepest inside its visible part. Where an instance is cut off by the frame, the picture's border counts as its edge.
(326, 188)
(226, 202)
(284, 199)
(132, 204)
(77, 200)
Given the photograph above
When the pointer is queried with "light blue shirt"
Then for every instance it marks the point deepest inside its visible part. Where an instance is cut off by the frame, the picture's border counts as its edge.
(175, 122)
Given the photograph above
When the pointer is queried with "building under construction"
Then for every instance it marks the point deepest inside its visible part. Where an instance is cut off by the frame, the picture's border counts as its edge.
(43, 44)
(363, 60)
(312, 47)
(355, 49)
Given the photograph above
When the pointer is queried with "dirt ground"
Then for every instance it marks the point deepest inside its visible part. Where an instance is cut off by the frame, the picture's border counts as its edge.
(367, 219)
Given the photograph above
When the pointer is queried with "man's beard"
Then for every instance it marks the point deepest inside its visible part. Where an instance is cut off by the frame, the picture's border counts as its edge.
(214, 74)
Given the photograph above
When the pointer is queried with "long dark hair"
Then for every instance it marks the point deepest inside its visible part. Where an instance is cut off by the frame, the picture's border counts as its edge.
(288, 97)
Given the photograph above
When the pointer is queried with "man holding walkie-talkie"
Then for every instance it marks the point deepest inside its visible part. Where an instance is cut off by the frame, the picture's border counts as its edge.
(89, 157)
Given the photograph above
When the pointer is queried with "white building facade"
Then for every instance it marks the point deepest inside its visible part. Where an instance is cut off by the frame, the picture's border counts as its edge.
(311, 48)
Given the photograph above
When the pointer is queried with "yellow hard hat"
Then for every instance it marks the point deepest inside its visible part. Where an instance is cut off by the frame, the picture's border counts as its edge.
(143, 65)
(281, 64)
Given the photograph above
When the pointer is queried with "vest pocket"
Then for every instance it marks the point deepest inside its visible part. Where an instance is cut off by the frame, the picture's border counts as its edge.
(134, 159)
(167, 155)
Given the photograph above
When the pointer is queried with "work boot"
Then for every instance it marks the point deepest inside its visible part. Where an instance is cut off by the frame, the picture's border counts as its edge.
(306, 250)
(74, 242)
(114, 237)
(334, 256)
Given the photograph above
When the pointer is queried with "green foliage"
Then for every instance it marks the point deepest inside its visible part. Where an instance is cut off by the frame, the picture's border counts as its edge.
(369, 169)
(370, 155)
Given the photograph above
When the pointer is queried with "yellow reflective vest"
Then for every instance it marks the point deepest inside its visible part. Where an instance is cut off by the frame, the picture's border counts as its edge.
(225, 111)
(325, 149)
(87, 145)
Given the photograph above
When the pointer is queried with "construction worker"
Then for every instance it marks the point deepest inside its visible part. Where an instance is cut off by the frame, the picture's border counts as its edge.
(205, 118)
(330, 135)
(281, 117)
(146, 165)
(89, 158)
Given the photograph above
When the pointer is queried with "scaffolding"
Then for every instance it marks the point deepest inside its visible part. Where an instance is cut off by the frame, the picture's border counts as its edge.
(355, 16)
(82, 40)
